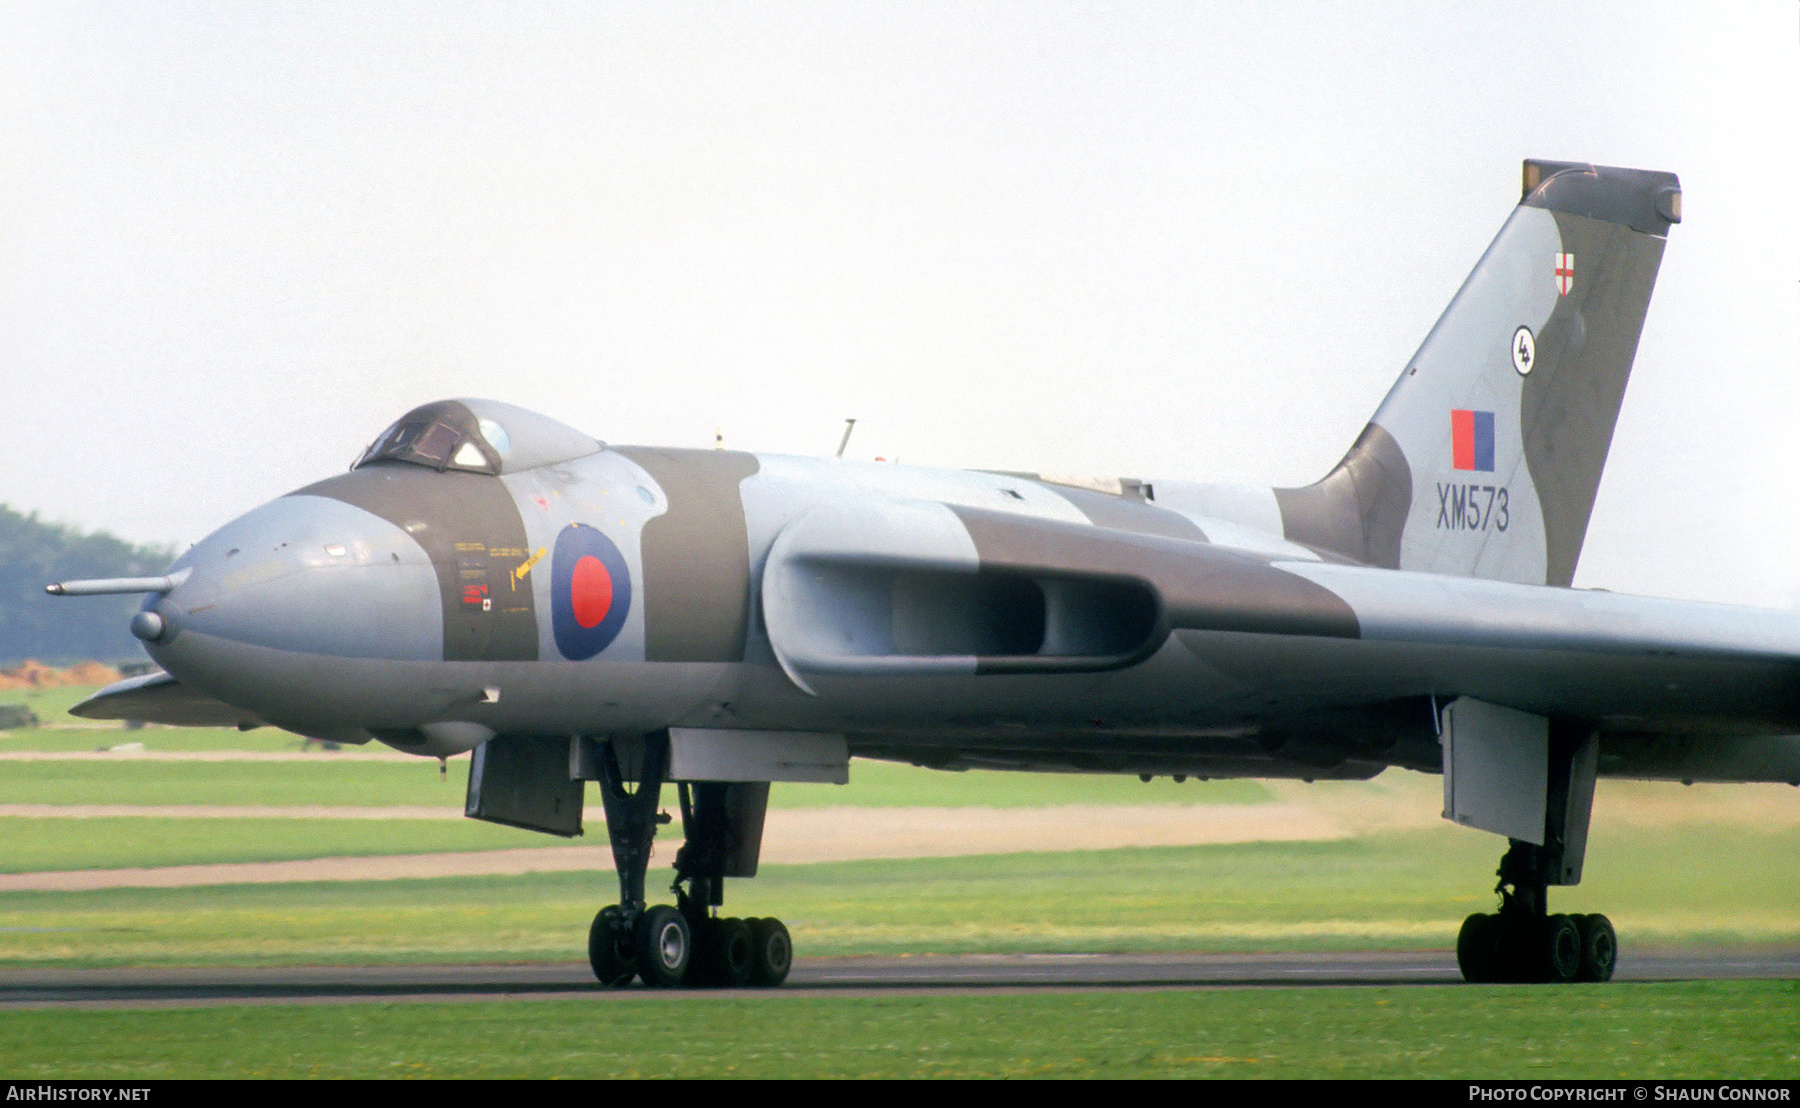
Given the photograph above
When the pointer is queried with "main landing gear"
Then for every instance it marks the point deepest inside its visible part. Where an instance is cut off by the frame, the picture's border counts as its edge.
(1516, 774)
(685, 944)
(1523, 942)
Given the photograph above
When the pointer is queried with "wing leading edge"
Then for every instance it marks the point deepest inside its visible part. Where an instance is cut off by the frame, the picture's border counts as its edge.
(160, 698)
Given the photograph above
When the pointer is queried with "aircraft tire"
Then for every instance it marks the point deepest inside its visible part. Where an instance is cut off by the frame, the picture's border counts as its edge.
(730, 953)
(1519, 957)
(664, 947)
(1478, 948)
(613, 967)
(772, 952)
(1599, 948)
(1559, 956)
(700, 968)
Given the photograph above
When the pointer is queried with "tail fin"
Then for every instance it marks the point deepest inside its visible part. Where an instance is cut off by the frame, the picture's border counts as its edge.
(1485, 457)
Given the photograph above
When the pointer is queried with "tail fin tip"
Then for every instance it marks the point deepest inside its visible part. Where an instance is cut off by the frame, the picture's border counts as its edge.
(1645, 200)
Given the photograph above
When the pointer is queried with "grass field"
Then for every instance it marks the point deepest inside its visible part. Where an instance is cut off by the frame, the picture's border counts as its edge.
(1708, 881)
(29, 845)
(52, 705)
(1714, 1030)
(1398, 891)
(52, 708)
(90, 737)
(1700, 882)
(323, 779)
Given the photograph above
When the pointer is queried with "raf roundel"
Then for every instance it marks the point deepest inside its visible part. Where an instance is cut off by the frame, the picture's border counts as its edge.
(590, 592)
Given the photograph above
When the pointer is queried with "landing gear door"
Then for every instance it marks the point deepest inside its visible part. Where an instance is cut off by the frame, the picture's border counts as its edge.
(523, 781)
(746, 803)
(1496, 769)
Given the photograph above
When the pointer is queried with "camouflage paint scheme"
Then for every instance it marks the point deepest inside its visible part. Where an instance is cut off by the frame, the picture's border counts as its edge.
(961, 619)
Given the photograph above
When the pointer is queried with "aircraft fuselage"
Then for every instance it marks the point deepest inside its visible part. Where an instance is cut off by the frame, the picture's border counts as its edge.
(630, 589)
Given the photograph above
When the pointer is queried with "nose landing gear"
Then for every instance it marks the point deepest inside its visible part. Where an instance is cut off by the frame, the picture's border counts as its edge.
(685, 944)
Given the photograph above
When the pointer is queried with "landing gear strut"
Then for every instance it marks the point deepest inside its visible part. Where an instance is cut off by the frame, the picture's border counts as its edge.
(1523, 942)
(686, 944)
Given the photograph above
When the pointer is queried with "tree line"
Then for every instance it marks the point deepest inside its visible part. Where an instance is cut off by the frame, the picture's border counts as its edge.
(61, 630)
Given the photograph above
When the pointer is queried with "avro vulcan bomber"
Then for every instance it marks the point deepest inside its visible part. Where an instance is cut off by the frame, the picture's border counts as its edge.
(487, 579)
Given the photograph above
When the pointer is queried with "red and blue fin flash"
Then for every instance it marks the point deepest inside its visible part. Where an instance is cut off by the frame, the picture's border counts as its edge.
(1472, 440)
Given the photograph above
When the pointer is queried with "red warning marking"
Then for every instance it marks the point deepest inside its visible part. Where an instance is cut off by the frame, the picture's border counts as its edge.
(474, 594)
(590, 591)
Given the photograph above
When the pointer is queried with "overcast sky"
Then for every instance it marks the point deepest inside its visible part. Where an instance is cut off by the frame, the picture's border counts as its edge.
(1196, 240)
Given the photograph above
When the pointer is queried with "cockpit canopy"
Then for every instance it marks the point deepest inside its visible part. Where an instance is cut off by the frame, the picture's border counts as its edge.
(477, 436)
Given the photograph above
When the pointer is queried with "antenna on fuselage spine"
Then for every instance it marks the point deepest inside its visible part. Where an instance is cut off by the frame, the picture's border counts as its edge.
(849, 426)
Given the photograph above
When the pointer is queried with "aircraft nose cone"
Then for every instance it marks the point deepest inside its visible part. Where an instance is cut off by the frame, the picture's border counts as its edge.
(305, 575)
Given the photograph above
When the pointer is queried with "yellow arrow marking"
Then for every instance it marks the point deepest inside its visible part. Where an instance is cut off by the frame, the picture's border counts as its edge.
(525, 566)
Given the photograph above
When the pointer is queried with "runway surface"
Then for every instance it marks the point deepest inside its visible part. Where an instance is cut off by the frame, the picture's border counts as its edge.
(970, 973)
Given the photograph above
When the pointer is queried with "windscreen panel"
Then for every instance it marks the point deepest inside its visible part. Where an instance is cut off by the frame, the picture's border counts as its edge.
(477, 436)
(445, 435)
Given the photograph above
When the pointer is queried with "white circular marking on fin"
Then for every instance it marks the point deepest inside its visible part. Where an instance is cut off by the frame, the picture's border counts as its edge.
(1524, 350)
